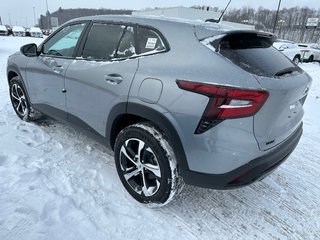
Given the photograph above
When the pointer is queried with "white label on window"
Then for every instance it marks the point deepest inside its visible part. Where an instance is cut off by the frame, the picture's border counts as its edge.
(292, 107)
(151, 43)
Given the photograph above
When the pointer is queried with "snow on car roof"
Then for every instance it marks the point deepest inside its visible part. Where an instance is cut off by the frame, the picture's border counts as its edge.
(153, 19)
(201, 28)
(35, 29)
(18, 28)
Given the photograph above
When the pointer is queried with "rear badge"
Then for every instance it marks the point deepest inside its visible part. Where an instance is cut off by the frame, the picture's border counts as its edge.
(292, 107)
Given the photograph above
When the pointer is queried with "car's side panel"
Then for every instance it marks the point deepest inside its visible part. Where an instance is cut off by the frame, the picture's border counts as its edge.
(17, 64)
(45, 79)
(91, 92)
(219, 150)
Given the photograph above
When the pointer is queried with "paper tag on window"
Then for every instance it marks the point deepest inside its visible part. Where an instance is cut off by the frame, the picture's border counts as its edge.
(151, 43)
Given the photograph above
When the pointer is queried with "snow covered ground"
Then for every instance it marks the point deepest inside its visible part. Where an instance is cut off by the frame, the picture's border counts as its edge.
(56, 183)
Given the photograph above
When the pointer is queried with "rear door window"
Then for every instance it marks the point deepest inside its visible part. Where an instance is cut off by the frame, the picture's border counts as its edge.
(150, 41)
(102, 41)
(127, 44)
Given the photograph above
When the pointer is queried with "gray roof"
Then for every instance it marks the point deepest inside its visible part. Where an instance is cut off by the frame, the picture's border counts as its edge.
(166, 25)
(151, 20)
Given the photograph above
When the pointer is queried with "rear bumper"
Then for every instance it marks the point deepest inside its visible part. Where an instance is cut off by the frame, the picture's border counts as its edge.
(254, 170)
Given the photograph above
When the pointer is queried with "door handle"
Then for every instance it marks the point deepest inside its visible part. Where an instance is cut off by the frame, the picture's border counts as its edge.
(114, 78)
(57, 69)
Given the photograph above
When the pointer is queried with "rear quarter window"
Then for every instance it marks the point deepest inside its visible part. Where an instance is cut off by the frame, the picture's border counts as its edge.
(150, 41)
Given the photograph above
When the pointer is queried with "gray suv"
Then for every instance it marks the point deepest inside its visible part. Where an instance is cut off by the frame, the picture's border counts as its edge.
(178, 102)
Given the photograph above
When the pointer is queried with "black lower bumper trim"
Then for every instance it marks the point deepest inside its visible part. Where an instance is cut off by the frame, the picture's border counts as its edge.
(248, 173)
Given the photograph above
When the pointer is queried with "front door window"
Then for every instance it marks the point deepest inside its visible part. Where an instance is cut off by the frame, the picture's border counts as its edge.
(63, 43)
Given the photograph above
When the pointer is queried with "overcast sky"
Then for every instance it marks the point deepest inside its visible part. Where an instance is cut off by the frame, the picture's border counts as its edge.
(21, 12)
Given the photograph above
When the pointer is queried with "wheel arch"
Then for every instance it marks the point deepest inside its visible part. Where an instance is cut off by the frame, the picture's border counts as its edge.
(311, 58)
(14, 72)
(125, 114)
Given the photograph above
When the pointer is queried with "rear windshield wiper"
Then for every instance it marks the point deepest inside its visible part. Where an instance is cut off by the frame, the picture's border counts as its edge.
(287, 71)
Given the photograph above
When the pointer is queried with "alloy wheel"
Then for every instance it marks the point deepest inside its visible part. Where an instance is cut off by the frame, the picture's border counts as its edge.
(19, 100)
(140, 167)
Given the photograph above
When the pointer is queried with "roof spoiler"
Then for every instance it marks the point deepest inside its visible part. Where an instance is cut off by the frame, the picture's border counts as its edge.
(235, 36)
(219, 19)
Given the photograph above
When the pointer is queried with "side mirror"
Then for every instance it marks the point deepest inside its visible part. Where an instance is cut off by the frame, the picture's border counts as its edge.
(29, 50)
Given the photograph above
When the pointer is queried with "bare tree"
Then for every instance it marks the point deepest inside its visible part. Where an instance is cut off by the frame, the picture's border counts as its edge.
(291, 23)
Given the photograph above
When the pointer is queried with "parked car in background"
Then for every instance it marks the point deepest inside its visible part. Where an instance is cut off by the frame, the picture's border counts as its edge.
(311, 52)
(46, 32)
(210, 107)
(290, 49)
(9, 28)
(3, 30)
(18, 31)
(36, 32)
(28, 34)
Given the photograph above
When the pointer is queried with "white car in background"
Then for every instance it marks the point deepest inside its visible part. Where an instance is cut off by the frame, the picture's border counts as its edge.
(290, 49)
(311, 52)
(3, 30)
(18, 31)
(36, 32)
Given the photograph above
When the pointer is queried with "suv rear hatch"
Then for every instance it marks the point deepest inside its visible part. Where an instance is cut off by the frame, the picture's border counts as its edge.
(287, 84)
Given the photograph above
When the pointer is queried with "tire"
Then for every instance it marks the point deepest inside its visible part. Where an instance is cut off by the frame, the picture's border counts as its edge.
(310, 59)
(20, 101)
(296, 60)
(146, 164)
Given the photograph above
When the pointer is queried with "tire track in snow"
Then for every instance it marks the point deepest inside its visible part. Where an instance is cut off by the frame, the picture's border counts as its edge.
(17, 220)
(31, 135)
(219, 213)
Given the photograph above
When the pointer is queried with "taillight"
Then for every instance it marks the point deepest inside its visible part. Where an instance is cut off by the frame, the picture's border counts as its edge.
(225, 102)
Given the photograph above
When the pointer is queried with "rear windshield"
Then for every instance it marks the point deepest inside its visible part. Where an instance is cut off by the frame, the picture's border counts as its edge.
(254, 54)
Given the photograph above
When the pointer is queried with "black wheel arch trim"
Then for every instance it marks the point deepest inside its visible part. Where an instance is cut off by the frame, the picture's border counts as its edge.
(151, 115)
(15, 69)
(297, 56)
(116, 112)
